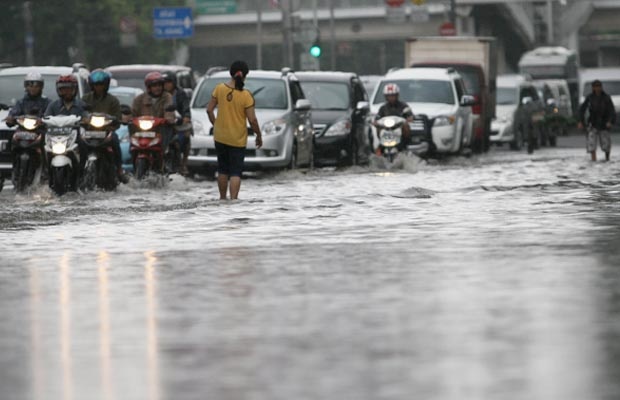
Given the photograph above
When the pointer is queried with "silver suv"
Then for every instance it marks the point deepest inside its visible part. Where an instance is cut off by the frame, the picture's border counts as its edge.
(282, 110)
(12, 90)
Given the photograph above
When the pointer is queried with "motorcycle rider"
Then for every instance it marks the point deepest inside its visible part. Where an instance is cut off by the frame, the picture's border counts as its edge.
(394, 107)
(181, 102)
(99, 100)
(68, 104)
(33, 102)
(155, 102)
(601, 119)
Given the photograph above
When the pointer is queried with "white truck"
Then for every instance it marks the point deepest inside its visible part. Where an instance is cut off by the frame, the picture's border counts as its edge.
(475, 59)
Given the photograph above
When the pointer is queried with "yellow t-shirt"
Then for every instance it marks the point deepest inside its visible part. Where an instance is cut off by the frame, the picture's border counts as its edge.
(230, 124)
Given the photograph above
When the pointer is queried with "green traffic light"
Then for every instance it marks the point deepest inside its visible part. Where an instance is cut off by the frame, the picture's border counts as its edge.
(315, 51)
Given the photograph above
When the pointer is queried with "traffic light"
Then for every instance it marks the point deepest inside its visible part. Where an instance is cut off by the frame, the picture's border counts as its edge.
(315, 49)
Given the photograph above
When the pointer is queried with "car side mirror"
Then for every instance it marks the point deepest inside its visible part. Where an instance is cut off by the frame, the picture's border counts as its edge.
(526, 100)
(468, 100)
(362, 106)
(303, 105)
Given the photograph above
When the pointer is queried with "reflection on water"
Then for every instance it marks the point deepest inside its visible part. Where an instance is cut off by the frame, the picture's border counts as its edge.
(473, 279)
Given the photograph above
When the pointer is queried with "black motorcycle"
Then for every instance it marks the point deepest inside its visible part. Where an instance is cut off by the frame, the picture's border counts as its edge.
(99, 169)
(26, 149)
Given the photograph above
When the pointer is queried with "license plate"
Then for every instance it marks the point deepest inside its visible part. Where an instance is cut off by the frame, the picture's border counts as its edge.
(25, 136)
(95, 135)
(148, 135)
(3, 145)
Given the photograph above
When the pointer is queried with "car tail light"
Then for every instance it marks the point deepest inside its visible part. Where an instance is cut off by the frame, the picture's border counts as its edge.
(477, 107)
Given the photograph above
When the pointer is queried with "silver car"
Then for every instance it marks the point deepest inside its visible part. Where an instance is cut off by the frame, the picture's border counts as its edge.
(281, 109)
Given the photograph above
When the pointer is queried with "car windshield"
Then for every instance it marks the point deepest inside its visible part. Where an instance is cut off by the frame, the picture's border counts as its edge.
(327, 95)
(419, 91)
(124, 97)
(12, 88)
(506, 95)
(268, 93)
(612, 88)
(134, 78)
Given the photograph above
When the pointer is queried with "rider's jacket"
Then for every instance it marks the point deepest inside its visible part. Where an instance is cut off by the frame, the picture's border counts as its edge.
(30, 105)
(107, 104)
(58, 107)
(398, 109)
(601, 111)
(181, 102)
(146, 104)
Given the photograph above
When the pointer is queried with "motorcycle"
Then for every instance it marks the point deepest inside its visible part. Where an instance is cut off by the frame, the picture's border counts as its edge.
(178, 141)
(390, 134)
(99, 170)
(146, 145)
(26, 152)
(63, 154)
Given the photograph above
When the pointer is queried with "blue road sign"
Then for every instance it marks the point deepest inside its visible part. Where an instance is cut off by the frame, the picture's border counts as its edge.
(172, 23)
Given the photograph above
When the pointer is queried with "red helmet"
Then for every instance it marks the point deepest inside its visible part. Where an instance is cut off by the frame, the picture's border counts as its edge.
(64, 81)
(153, 78)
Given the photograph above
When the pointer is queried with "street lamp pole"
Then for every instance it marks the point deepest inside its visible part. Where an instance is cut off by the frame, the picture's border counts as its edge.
(259, 35)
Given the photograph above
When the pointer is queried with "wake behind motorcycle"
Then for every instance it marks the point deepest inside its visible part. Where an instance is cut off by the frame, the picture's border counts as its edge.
(62, 149)
(147, 147)
(26, 152)
(99, 170)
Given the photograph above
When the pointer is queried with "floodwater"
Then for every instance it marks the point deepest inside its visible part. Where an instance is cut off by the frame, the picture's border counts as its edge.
(494, 277)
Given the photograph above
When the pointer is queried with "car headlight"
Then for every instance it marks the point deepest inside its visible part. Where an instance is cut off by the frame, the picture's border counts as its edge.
(198, 127)
(340, 128)
(59, 148)
(146, 124)
(274, 127)
(444, 120)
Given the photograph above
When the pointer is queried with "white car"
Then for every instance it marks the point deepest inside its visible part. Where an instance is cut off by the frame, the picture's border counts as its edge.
(438, 93)
(281, 109)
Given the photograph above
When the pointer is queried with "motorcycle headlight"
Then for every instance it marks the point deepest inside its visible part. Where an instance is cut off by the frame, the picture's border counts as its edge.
(29, 123)
(389, 123)
(340, 128)
(444, 120)
(98, 121)
(274, 127)
(59, 148)
(146, 124)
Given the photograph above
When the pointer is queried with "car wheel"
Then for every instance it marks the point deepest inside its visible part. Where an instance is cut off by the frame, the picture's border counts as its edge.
(517, 143)
(293, 163)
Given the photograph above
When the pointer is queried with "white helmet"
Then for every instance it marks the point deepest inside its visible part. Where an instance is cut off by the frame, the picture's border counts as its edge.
(390, 89)
(33, 77)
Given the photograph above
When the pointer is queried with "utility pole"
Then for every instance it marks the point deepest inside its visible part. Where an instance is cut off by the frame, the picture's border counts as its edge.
(332, 36)
(287, 31)
(259, 35)
(550, 33)
(453, 12)
(29, 37)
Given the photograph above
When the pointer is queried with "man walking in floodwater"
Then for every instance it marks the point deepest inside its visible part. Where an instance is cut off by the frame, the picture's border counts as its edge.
(601, 117)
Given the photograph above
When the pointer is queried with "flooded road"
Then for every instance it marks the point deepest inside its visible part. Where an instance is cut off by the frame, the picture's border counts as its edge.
(495, 277)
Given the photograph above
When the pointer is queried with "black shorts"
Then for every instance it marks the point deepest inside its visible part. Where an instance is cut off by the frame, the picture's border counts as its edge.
(229, 159)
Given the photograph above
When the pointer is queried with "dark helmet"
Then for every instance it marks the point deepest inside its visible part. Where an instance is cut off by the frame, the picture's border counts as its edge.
(99, 76)
(64, 81)
(170, 76)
